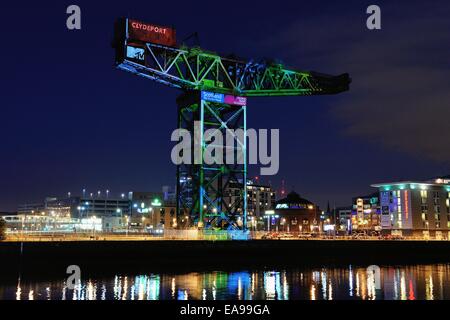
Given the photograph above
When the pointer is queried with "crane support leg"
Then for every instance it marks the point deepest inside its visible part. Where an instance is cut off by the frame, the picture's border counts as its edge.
(211, 189)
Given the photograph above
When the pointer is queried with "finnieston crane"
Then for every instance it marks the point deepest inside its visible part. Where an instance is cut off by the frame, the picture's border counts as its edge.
(214, 91)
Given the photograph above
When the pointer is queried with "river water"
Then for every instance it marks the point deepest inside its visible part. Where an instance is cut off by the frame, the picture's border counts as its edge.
(413, 282)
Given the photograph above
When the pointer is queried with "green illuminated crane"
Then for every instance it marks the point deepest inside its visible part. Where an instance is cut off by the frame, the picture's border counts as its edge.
(214, 195)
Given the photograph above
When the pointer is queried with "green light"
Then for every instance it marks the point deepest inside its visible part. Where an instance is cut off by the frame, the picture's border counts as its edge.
(156, 202)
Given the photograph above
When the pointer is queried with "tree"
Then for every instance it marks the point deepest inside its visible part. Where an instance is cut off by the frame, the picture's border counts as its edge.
(2, 229)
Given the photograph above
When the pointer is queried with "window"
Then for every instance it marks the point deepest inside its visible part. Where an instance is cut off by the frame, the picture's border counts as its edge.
(436, 197)
(423, 195)
(447, 203)
(423, 201)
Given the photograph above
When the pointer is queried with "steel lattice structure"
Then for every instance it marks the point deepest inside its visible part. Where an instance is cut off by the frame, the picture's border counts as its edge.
(202, 189)
(195, 69)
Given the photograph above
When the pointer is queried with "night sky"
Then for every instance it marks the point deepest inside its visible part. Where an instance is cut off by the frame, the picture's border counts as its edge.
(69, 120)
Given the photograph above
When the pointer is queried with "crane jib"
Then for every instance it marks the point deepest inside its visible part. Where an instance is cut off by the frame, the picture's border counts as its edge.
(150, 50)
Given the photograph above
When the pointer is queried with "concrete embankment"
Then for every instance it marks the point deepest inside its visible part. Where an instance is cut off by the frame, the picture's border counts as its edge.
(114, 256)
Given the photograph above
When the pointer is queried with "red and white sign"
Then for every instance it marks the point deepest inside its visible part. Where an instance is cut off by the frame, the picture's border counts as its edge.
(147, 32)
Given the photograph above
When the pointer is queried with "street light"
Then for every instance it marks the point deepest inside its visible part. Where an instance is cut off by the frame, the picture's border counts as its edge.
(94, 218)
(118, 210)
(174, 223)
(23, 221)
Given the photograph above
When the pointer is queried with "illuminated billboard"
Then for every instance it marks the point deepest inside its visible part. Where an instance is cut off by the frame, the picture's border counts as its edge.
(223, 98)
(153, 33)
(135, 53)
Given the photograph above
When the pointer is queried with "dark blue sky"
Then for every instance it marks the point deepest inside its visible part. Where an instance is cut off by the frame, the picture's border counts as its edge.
(69, 120)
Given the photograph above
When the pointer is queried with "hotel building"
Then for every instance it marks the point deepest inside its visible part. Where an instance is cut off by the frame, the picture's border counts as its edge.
(416, 208)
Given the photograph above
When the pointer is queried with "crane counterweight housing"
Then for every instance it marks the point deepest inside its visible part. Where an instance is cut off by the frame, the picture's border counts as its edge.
(206, 193)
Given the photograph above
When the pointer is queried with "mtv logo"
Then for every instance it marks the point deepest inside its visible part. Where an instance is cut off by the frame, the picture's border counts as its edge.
(135, 53)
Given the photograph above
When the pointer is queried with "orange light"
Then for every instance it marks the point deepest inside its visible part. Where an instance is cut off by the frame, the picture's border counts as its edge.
(406, 204)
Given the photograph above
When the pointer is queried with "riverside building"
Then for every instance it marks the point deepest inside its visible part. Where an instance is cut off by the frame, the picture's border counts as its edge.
(416, 208)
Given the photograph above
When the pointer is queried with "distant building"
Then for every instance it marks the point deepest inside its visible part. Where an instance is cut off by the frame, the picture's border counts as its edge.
(260, 198)
(78, 207)
(366, 213)
(145, 202)
(153, 210)
(30, 208)
(343, 217)
(419, 208)
(135, 212)
(294, 214)
(87, 207)
(169, 194)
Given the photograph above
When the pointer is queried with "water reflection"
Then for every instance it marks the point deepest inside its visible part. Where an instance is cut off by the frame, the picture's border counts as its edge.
(424, 282)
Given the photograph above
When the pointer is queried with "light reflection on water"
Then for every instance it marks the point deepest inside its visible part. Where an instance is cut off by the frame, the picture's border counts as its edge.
(424, 282)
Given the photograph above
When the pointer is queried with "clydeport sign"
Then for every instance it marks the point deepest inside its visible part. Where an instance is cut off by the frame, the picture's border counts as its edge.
(151, 33)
